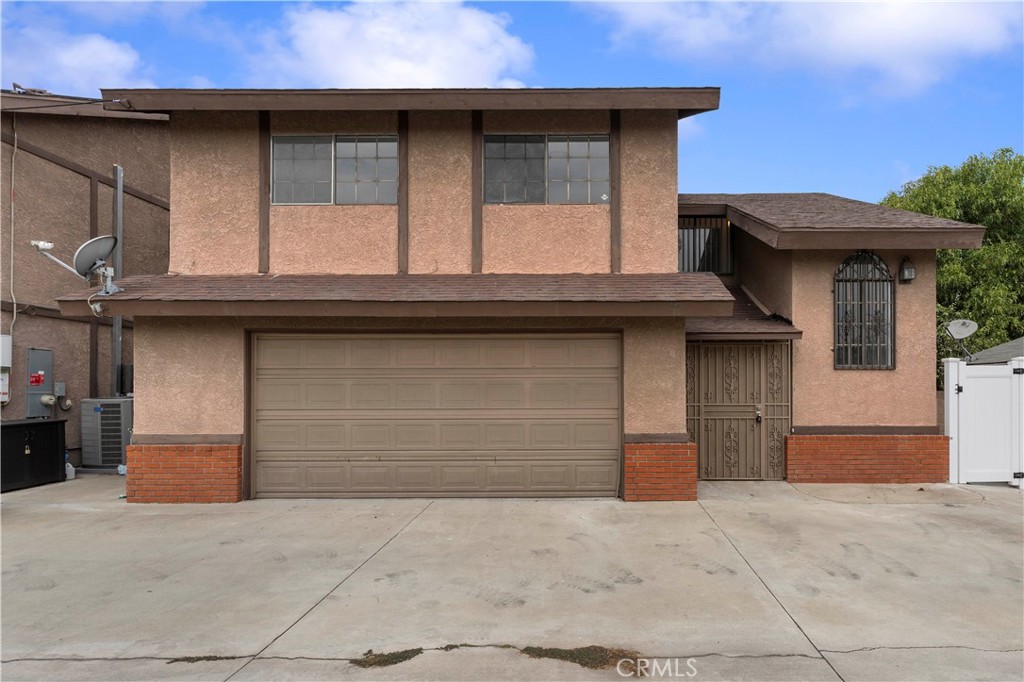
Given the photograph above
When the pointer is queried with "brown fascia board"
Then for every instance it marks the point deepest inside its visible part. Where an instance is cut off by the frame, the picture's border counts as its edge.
(58, 105)
(158, 308)
(686, 101)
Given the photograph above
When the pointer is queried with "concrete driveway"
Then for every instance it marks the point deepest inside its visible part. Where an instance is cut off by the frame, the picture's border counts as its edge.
(758, 581)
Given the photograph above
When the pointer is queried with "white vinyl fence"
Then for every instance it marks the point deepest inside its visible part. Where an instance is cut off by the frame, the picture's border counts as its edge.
(985, 421)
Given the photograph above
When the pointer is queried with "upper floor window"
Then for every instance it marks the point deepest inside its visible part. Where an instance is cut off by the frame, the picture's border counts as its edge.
(546, 169)
(339, 169)
(705, 244)
(864, 328)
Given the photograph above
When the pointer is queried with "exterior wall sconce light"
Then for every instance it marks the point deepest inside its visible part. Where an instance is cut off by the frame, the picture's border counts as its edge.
(907, 270)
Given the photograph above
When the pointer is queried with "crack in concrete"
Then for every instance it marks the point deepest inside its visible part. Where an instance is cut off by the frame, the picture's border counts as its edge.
(332, 590)
(98, 659)
(771, 592)
(912, 648)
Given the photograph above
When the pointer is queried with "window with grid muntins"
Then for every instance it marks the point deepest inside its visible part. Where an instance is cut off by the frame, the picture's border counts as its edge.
(705, 244)
(339, 169)
(546, 169)
(864, 315)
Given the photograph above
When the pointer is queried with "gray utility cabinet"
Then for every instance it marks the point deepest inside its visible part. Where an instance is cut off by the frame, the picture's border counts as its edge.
(39, 382)
(106, 430)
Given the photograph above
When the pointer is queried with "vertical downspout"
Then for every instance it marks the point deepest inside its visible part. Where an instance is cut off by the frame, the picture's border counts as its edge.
(115, 327)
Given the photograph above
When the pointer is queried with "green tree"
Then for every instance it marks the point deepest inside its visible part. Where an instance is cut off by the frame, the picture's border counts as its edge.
(987, 284)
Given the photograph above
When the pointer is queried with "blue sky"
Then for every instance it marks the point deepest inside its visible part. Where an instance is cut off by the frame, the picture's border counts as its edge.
(851, 98)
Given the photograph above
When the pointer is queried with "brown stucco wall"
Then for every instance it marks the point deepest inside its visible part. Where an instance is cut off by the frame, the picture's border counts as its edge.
(358, 240)
(334, 239)
(440, 192)
(649, 191)
(765, 272)
(532, 238)
(215, 190)
(333, 122)
(189, 373)
(654, 376)
(557, 122)
(823, 396)
(189, 376)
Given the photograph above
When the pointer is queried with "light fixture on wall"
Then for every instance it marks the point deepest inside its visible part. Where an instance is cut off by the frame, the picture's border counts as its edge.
(907, 270)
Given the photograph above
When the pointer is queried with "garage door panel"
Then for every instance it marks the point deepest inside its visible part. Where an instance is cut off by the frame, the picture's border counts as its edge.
(431, 415)
(340, 434)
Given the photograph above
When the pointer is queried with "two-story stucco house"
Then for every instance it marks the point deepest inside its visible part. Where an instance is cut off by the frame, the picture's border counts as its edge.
(502, 293)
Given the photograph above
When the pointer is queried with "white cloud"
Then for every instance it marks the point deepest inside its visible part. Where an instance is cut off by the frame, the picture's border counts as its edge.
(69, 63)
(900, 47)
(382, 45)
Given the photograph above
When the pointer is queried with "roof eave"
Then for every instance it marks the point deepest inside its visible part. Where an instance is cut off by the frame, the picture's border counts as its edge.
(74, 306)
(685, 101)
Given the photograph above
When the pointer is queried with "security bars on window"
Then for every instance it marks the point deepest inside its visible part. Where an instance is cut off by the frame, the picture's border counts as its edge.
(705, 245)
(864, 322)
(338, 169)
(551, 169)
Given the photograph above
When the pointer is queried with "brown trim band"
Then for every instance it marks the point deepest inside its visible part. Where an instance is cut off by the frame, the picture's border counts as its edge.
(743, 336)
(264, 189)
(615, 186)
(656, 438)
(403, 192)
(477, 126)
(186, 439)
(407, 309)
(866, 431)
(54, 313)
(70, 165)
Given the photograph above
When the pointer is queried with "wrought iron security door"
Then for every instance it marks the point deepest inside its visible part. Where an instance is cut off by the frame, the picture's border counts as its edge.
(738, 408)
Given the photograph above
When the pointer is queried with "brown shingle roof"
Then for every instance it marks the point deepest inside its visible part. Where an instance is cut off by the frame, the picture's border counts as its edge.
(817, 220)
(746, 321)
(666, 294)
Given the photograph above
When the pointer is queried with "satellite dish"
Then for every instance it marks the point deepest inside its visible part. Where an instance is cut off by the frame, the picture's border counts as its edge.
(92, 255)
(961, 329)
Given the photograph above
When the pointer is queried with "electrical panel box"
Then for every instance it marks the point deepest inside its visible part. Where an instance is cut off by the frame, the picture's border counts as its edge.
(6, 351)
(106, 430)
(40, 382)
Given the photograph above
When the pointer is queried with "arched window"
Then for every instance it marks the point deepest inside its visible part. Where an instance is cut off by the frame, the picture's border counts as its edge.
(864, 313)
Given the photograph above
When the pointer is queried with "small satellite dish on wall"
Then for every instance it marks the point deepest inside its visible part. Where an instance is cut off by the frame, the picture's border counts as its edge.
(92, 255)
(961, 329)
(90, 258)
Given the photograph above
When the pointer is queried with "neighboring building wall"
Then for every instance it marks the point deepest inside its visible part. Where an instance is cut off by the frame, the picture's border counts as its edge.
(54, 203)
(823, 396)
(765, 272)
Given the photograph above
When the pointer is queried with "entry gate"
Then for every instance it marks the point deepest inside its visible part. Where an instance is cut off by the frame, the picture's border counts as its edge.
(985, 421)
(738, 408)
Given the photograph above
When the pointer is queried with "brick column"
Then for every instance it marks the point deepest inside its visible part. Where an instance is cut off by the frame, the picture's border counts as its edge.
(660, 471)
(846, 458)
(184, 473)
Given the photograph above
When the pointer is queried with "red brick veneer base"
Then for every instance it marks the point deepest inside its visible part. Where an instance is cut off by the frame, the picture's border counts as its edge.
(867, 459)
(184, 473)
(660, 471)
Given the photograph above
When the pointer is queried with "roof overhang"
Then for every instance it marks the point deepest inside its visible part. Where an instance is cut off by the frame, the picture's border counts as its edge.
(791, 237)
(686, 101)
(60, 105)
(604, 295)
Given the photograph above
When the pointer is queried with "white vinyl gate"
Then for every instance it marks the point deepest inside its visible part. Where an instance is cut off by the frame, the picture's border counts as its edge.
(985, 421)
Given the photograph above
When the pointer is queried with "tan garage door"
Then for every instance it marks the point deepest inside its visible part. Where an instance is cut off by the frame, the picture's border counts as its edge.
(430, 415)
